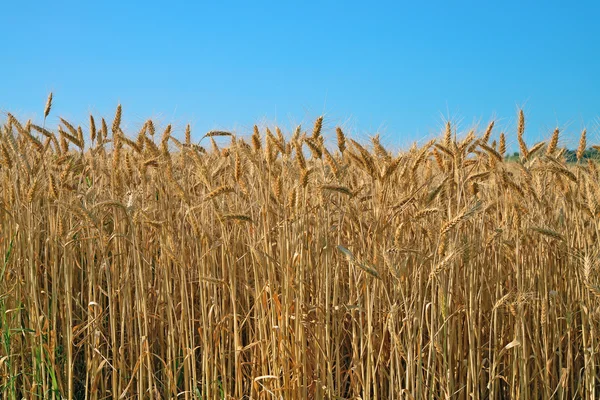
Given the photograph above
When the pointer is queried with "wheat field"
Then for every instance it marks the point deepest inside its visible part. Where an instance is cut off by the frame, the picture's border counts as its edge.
(295, 265)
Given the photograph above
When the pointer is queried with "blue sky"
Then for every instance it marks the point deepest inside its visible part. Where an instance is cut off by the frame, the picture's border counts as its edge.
(397, 68)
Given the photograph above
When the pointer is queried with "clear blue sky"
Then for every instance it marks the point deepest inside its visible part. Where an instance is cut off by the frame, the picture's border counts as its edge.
(397, 68)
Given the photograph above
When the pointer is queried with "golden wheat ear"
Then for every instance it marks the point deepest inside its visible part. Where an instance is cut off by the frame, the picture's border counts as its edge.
(116, 125)
(48, 106)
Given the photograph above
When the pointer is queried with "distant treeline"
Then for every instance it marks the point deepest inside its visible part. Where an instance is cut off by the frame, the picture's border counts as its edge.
(570, 155)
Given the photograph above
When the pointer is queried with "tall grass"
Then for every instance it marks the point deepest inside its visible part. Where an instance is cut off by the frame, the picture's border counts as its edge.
(279, 267)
